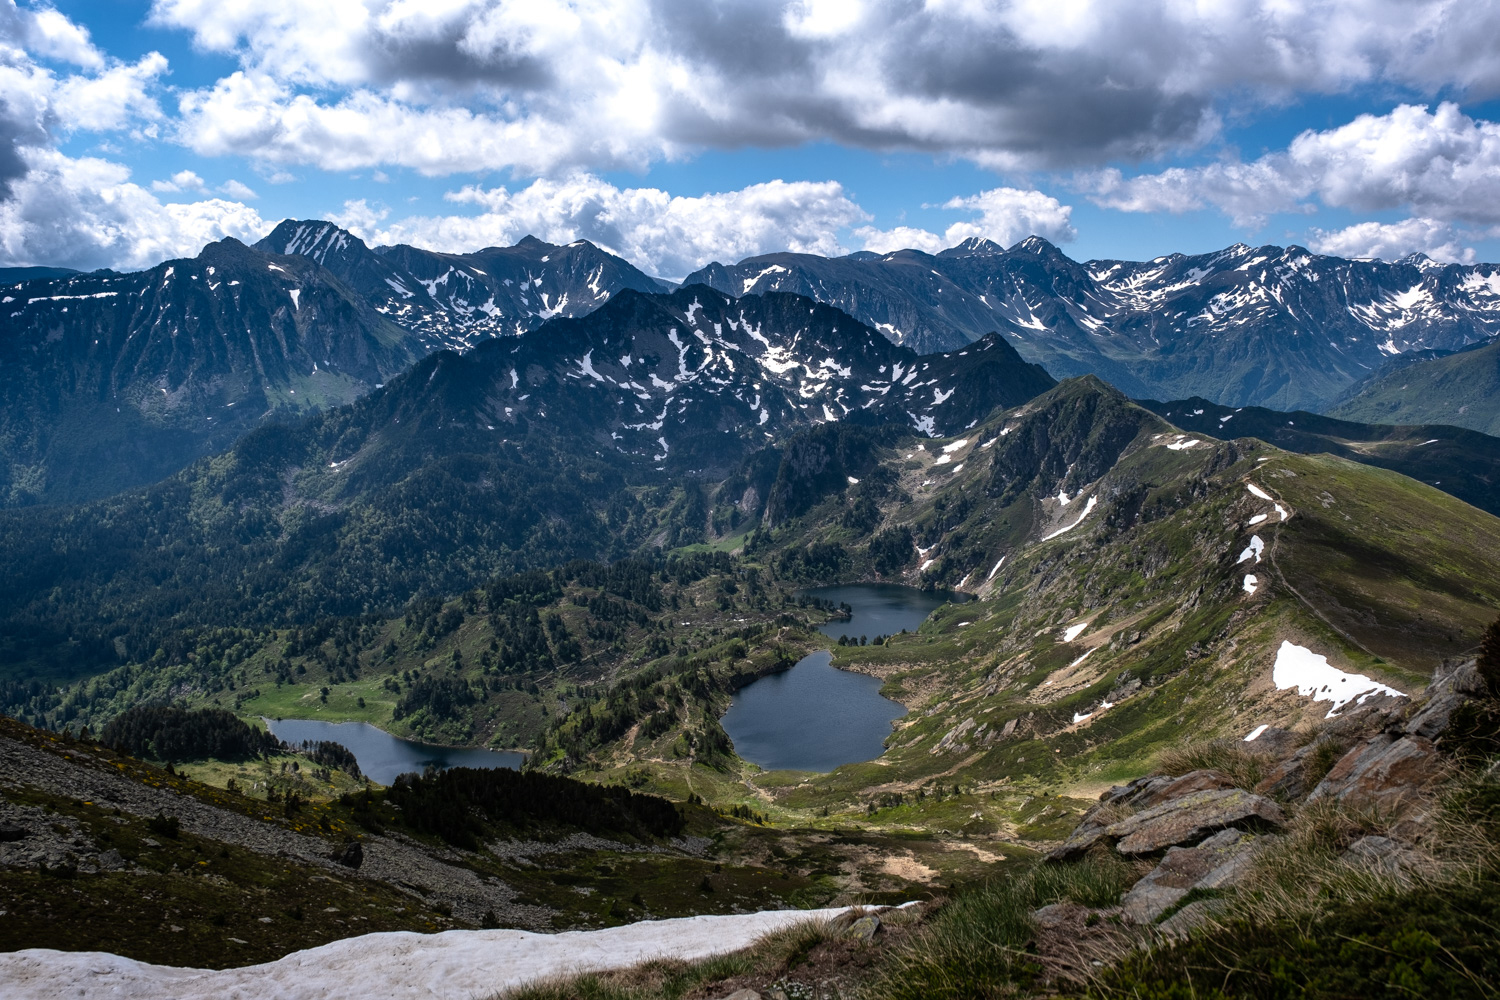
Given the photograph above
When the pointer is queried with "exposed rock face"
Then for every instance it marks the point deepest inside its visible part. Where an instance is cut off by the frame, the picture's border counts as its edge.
(1219, 862)
(1192, 817)
(1383, 772)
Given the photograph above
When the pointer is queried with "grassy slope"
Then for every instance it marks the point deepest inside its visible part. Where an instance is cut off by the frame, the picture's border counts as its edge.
(1461, 389)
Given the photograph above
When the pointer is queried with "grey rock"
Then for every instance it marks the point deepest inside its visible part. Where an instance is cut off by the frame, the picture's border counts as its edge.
(1218, 863)
(1383, 772)
(864, 928)
(1273, 742)
(111, 860)
(1055, 915)
(10, 833)
(1192, 916)
(1457, 677)
(744, 994)
(1381, 853)
(350, 855)
(1193, 817)
(1433, 718)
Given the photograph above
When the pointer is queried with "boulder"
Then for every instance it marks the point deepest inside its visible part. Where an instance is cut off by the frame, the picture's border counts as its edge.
(1192, 916)
(350, 855)
(10, 833)
(1217, 863)
(1187, 784)
(1383, 772)
(864, 928)
(1432, 719)
(1128, 794)
(1192, 817)
(1382, 854)
(1060, 916)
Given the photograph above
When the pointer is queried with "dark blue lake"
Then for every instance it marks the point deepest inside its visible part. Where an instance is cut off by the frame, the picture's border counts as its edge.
(814, 716)
(382, 756)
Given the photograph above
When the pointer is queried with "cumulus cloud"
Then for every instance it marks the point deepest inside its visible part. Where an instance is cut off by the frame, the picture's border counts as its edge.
(658, 232)
(1441, 241)
(1005, 216)
(548, 85)
(1439, 164)
(183, 180)
(86, 213)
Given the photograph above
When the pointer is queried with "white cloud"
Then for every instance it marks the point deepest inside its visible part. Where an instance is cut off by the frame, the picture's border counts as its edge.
(238, 191)
(658, 232)
(86, 213)
(1441, 241)
(1439, 164)
(548, 85)
(1006, 216)
(114, 99)
(183, 180)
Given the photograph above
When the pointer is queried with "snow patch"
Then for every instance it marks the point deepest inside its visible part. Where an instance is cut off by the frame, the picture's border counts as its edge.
(1312, 676)
(1250, 584)
(1181, 445)
(1074, 631)
(995, 569)
(1255, 548)
(1257, 518)
(1255, 733)
(960, 443)
(1257, 491)
(1086, 508)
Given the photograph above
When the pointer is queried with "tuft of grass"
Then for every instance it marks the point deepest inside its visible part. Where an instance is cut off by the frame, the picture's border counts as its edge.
(975, 947)
(1230, 757)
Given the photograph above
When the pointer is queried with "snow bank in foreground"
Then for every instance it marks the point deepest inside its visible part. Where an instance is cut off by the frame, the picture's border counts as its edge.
(1312, 676)
(455, 964)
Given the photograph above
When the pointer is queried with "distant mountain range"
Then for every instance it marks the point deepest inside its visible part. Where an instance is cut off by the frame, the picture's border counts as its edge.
(1267, 326)
(115, 380)
(457, 300)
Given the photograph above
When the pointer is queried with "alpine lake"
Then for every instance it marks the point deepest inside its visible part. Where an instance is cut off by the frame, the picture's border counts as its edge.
(815, 717)
(382, 756)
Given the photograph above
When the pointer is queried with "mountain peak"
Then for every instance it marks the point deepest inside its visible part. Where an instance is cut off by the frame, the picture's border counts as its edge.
(1036, 246)
(974, 246)
(314, 238)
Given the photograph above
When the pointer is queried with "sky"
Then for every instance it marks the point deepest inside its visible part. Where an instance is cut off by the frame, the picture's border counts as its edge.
(678, 132)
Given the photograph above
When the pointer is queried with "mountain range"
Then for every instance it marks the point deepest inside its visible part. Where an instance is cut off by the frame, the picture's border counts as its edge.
(1267, 326)
(115, 380)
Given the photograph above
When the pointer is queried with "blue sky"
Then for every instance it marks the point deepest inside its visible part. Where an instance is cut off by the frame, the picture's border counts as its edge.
(676, 132)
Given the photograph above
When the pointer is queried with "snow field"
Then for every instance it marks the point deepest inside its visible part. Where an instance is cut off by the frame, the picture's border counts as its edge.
(1074, 631)
(1254, 549)
(396, 965)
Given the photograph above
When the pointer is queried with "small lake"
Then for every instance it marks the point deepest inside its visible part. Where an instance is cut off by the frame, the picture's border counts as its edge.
(382, 756)
(881, 608)
(815, 717)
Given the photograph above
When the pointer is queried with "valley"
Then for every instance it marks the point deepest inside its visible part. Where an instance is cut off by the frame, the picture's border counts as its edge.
(804, 619)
